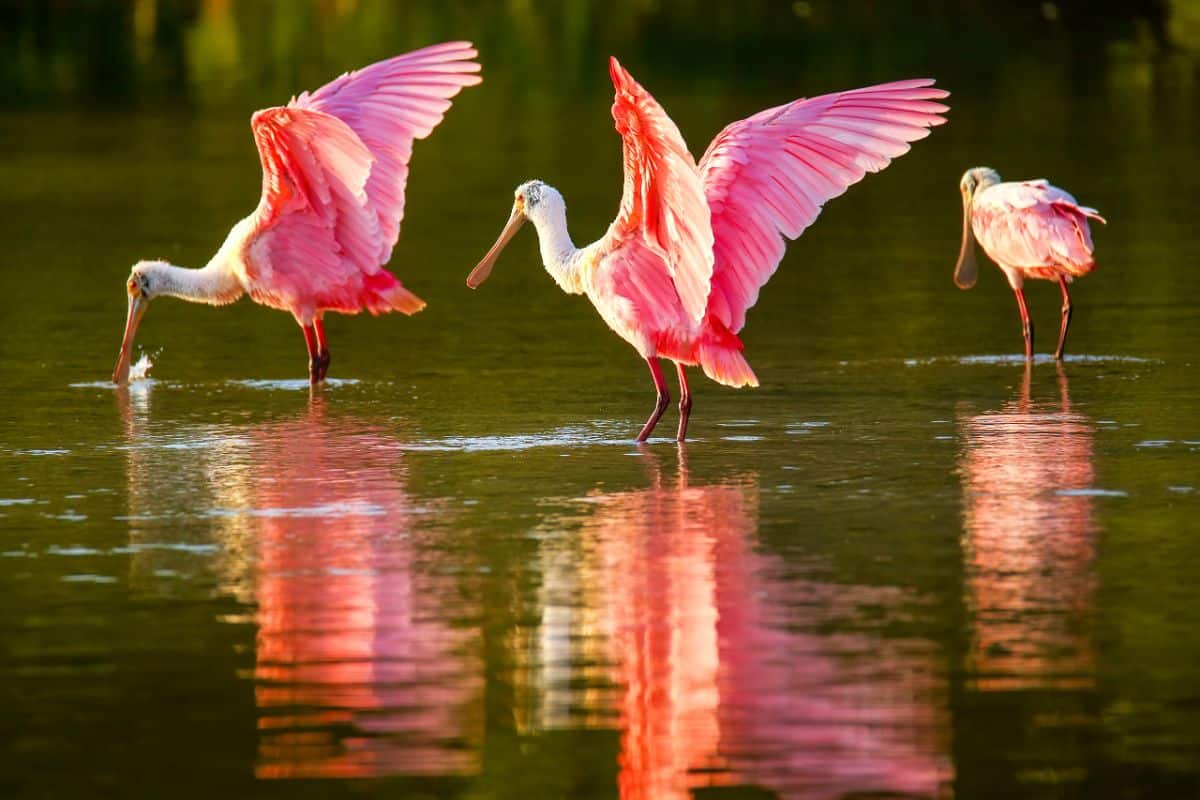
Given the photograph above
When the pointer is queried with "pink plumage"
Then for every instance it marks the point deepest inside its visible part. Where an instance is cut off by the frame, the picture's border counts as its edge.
(1035, 229)
(717, 229)
(767, 177)
(335, 163)
(663, 204)
(1031, 229)
(693, 243)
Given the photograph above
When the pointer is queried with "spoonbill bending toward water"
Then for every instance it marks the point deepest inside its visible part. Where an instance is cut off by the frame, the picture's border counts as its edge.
(692, 244)
(1031, 229)
(335, 162)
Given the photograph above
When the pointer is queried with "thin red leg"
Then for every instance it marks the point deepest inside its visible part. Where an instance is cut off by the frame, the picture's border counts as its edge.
(310, 339)
(685, 403)
(1066, 319)
(664, 398)
(1026, 324)
(322, 348)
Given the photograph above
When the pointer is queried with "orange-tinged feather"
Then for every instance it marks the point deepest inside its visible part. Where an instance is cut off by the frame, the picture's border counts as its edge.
(335, 165)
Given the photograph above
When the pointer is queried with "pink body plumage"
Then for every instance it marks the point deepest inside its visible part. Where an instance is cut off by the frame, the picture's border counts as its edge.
(1034, 229)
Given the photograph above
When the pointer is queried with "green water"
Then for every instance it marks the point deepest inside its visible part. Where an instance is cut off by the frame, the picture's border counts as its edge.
(906, 565)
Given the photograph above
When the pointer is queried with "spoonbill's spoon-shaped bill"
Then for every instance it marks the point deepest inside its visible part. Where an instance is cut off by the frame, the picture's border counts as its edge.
(1031, 229)
(693, 244)
(966, 270)
(515, 220)
(335, 165)
(137, 307)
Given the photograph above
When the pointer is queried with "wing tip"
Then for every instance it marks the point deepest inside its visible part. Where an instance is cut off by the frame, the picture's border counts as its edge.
(621, 79)
(266, 114)
(909, 84)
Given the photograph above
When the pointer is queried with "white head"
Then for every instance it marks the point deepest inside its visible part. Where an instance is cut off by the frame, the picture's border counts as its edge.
(539, 201)
(973, 181)
(147, 280)
(532, 200)
(977, 178)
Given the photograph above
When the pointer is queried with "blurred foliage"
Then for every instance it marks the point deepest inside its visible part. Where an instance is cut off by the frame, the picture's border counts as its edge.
(209, 51)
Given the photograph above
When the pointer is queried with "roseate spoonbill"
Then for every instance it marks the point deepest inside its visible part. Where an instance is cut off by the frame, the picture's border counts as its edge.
(335, 162)
(1031, 229)
(692, 244)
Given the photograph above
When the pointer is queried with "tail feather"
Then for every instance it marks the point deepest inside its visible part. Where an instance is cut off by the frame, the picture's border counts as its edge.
(404, 301)
(726, 365)
(385, 294)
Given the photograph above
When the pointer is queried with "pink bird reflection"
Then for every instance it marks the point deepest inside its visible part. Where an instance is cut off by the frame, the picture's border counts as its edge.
(1029, 543)
(722, 678)
(359, 671)
(359, 668)
(351, 636)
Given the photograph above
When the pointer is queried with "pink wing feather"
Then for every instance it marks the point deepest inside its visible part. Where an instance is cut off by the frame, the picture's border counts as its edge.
(1034, 225)
(389, 104)
(663, 202)
(766, 177)
(335, 164)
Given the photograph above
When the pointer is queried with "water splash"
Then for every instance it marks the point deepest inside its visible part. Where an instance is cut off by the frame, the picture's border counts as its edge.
(139, 375)
(140, 370)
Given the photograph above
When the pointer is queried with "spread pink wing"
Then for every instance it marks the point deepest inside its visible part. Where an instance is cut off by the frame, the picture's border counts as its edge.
(663, 205)
(335, 163)
(766, 177)
(389, 104)
(1034, 224)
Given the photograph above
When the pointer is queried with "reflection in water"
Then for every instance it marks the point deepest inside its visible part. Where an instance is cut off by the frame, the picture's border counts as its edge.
(359, 670)
(721, 676)
(1029, 542)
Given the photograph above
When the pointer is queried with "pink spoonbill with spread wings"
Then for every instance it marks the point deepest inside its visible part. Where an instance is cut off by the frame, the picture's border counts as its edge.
(1031, 229)
(693, 243)
(335, 163)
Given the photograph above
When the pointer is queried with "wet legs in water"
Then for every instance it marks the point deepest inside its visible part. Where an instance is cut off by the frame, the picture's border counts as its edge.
(318, 355)
(685, 403)
(322, 347)
(1066, 319)
(1026, 324)
(660, 385)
